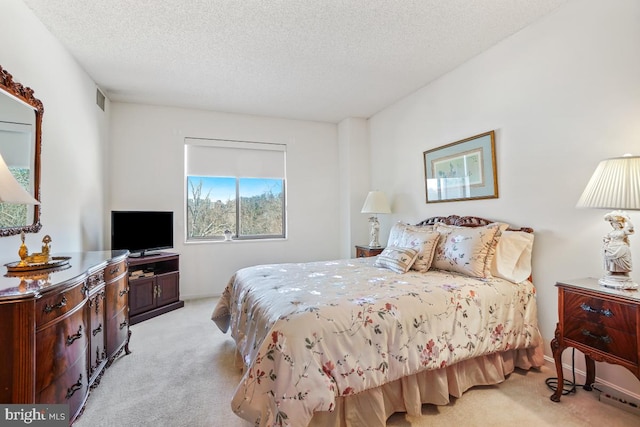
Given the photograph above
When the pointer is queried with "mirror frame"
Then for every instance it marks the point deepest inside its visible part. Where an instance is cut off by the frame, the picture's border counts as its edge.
(25, 95)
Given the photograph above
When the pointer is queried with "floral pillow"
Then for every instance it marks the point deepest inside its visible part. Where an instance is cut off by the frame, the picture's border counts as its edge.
(424, 241)
(396, 258)
(467, 250)
(395, 234)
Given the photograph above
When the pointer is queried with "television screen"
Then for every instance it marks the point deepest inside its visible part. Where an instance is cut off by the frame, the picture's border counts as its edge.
(141, 231)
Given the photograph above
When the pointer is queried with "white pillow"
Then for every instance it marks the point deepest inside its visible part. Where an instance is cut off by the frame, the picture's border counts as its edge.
(425, 242)
(512, 260)
(396, 258)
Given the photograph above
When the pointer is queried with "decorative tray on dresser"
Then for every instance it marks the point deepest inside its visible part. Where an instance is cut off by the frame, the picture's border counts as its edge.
(603, 323)
(61, 328)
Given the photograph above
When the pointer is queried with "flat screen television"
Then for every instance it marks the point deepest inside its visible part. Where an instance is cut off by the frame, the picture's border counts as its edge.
(141, 231)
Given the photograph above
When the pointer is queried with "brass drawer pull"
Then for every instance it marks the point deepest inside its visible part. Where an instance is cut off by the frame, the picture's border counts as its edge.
(77, 386)
(606, 339)
(123, 324)
(123, 292)
(587, 307)
(114, 270)
(49, 308)
(76, 336)
(97, 330)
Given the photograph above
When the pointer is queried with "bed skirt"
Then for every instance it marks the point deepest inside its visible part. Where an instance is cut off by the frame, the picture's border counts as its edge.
(408, 394)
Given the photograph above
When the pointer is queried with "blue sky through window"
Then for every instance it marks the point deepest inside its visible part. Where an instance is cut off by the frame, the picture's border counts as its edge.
(224, 189)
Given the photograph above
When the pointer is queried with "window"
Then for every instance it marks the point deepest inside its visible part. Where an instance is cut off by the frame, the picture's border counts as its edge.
(234, 186)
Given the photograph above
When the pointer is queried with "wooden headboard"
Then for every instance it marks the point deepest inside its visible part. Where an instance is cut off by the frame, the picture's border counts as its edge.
(466, 221)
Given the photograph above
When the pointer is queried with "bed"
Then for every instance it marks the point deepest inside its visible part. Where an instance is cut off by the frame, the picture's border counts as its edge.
(448, 305)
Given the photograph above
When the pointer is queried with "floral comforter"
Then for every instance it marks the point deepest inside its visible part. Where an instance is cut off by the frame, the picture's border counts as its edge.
(312, 331)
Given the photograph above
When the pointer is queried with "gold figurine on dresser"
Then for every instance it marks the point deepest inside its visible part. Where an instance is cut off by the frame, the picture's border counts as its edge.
(37, 260)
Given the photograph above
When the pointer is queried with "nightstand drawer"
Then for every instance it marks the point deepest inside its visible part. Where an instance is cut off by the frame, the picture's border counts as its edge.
(603, 323)
(596, 335)
(367, 251)
(612, 314)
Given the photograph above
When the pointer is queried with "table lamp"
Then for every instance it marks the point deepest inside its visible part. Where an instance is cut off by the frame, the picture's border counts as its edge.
(376, 203)
(615, 184)
(10, 190)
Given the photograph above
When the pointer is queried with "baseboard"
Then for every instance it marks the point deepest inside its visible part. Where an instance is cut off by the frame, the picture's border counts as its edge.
(613, 397)
(616, 392)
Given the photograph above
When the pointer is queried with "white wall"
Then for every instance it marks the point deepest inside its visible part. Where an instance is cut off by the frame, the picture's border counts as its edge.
(147, 172)
(561, 94)
(73, 135)
(353, 140)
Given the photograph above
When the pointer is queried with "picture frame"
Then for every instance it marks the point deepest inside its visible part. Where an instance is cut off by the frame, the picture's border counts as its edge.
(462, 170)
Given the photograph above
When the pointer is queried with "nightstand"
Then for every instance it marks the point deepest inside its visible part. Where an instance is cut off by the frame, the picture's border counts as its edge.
(603, 323)
(367, 251)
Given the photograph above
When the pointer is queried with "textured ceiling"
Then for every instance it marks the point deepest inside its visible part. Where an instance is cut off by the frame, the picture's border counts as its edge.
(321, 60)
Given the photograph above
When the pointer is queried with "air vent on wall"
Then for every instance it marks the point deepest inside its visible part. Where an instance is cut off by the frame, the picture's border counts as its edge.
(100, 99)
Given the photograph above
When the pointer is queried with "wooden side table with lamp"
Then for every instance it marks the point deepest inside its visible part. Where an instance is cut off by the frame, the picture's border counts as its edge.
(601, 317)
(375, 203)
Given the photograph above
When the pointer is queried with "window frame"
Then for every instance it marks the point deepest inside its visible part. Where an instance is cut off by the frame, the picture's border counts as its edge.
(213, 143)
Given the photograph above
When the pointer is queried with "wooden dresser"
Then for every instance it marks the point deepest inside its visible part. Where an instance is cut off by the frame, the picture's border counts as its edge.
(61, 329)
(603, 323)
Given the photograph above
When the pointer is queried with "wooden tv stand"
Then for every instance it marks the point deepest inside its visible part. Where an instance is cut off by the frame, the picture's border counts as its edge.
(154, 285)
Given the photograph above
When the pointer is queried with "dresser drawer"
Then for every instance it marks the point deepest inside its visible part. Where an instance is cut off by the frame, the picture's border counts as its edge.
(59, 346)
(97, 347)
(114, 270)
(117, 331)
(611, 314)
(117, 293)
(52, 306)
(94, 280)
(71, 388)
(596, 335)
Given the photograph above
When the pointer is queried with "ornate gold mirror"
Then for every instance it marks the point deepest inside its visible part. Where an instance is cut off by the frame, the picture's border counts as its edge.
(20, 140)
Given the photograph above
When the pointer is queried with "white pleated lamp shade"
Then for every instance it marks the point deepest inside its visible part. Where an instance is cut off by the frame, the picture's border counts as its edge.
(615, 184)
(376, 203)
(10, 190)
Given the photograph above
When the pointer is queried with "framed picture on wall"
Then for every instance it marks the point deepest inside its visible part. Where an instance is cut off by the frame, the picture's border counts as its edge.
(462, 170)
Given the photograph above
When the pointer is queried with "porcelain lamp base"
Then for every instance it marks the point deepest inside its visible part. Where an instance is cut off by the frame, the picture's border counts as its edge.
(618, 282)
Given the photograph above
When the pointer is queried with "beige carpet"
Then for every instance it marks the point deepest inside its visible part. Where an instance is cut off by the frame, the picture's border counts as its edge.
(181, 373)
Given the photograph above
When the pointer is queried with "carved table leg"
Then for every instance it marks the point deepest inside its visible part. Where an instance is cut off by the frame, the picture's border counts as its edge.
(557, 350)
(591, 373)
(126, 346)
